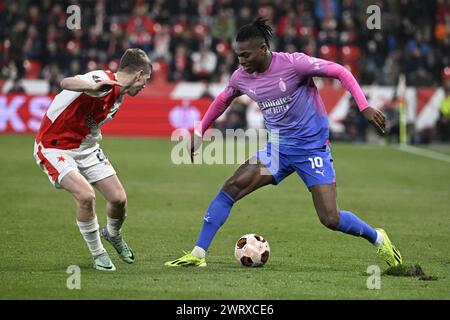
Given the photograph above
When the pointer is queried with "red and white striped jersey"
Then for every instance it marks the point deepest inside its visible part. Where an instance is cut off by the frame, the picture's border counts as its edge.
(74, 117)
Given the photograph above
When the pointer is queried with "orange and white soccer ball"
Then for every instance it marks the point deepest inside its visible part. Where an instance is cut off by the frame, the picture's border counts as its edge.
(252, 250)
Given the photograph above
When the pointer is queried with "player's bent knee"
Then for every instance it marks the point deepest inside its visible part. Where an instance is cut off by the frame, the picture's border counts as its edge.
(231, 187)
(86, 201)
(330, 221)
(119, 200)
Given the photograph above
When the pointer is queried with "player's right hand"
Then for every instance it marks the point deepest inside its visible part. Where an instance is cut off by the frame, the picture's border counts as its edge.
(195, 143)
(105, 85)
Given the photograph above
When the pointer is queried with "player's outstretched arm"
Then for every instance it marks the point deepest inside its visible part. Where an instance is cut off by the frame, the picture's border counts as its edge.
(374, 116)
(319, 67)
(217, 107)
(80, 85)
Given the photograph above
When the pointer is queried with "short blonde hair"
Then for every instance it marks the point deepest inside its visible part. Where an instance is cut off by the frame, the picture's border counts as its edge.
(135, 59)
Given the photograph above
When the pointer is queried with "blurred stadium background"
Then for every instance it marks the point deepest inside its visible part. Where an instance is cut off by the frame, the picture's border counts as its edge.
(190, 43)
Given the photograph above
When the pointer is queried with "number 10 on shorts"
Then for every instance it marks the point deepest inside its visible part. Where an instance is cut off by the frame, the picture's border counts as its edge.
(316, 162)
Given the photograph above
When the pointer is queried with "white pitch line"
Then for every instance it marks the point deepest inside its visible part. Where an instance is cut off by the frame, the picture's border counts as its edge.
(425, 153)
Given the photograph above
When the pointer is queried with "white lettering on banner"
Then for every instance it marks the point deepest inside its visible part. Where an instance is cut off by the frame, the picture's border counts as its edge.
(8, 113)
(38, 107)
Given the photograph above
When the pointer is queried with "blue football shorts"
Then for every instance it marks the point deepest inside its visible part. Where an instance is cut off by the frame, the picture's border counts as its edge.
(314, 166)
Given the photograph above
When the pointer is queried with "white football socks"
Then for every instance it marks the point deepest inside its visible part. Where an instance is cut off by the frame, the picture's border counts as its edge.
(199, 252)
(380, 238)
(114, 226)
(91, 235)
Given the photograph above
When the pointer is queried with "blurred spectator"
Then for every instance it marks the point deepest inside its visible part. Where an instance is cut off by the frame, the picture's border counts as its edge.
(417, 61)
(16, 51)
(327, 8)
(140, 27)
(54, 77)
(244, 17)
(355, 124)
(118, 42)
(392, 114)
(181, 65)
(161, 41)
(236, 116)
(17, 87)
(223, 26)
(373, 62)
(204, 64)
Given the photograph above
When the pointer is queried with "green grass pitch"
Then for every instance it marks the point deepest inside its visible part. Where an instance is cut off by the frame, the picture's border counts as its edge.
(406, 194)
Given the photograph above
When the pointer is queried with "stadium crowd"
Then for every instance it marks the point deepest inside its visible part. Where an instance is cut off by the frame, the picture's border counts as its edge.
(193, 38)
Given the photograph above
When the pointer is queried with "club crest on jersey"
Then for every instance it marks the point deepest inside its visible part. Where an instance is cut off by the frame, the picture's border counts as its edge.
(282, 85)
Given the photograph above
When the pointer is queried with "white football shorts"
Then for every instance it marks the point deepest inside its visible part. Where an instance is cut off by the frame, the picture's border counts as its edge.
(90, 162)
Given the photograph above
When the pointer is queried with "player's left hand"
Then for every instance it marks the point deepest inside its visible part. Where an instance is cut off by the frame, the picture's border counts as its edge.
(376, 118)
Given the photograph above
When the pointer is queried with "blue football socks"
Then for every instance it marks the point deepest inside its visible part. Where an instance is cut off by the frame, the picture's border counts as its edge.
(215, 217)
(351, 224)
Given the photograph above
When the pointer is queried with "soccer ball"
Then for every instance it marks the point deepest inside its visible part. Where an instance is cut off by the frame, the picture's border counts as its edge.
(252, 250)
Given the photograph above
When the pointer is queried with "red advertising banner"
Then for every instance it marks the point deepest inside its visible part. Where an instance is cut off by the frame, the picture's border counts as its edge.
(136, 117)
(21, 113)
(155, 117)
(159, 117)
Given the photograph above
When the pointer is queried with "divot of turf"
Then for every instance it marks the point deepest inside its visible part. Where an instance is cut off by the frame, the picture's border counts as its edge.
(408, 271)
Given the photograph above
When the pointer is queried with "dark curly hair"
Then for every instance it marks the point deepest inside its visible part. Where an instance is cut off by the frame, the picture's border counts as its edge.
(257, 29)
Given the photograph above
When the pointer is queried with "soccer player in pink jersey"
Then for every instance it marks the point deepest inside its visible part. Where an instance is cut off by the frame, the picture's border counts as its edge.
(67, 149)
(295, 116)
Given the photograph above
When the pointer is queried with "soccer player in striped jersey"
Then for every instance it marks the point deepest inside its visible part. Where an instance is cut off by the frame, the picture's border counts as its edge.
(282, 85)
(67, 149)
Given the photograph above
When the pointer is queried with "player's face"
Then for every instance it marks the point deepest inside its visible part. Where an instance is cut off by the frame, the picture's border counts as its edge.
(139, 84)
(251, 55)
